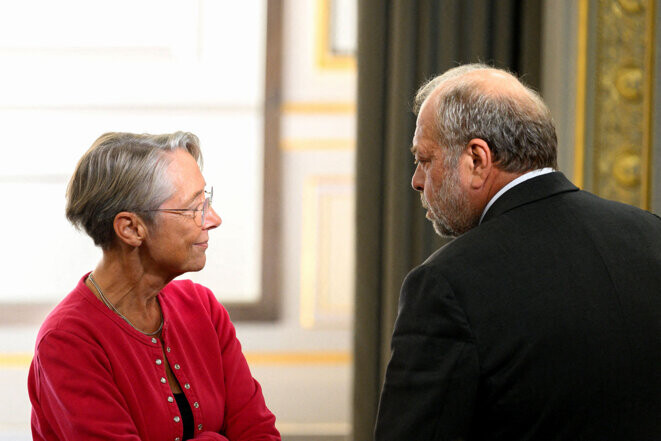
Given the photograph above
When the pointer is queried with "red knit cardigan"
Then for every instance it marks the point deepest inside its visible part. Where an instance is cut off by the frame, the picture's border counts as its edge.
(94, 377)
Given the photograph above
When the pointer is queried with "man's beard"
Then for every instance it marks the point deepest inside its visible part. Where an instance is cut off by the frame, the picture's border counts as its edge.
(450, 211)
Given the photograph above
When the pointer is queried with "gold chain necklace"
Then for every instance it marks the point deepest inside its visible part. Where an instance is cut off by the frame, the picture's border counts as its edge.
(111, 306)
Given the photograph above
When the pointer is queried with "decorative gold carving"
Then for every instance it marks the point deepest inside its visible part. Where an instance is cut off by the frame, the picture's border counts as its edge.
(623, 90)
(632, 6)
(629, 82)
(626, 167)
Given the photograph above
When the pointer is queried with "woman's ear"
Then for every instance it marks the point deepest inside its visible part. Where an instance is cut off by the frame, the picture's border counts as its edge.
(129, 228)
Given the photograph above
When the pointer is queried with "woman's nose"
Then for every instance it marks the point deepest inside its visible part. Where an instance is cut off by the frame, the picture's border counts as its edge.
(212, 219)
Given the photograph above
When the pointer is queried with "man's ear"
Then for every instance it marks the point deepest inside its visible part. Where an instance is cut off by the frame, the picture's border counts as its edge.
(481, 161)
(129, 228)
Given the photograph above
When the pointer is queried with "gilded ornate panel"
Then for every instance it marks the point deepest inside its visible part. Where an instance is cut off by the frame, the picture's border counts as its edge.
(622, 100)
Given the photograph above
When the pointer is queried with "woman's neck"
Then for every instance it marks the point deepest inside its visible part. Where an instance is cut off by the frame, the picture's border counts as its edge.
(129, 288)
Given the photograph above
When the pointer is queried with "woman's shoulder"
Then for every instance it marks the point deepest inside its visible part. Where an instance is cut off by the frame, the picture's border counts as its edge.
(72, 314)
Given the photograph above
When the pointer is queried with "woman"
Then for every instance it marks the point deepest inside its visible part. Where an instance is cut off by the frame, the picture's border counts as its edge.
(131, 354)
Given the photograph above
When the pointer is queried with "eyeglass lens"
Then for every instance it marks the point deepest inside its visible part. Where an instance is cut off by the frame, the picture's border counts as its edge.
(206, 205)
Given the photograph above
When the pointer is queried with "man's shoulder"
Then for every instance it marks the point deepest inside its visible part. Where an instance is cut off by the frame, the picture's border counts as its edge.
(538, 223)
(457, 254)
(596, 202)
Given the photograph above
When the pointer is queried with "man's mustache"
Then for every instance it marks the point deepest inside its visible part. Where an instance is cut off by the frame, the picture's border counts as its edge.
(425, 205)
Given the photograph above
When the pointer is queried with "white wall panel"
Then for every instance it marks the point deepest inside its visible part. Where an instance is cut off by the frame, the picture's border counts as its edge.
(80, 69)
(73, 52)
(32, 186)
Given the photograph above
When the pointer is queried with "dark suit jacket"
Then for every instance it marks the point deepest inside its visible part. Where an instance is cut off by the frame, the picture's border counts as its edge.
(543, 323)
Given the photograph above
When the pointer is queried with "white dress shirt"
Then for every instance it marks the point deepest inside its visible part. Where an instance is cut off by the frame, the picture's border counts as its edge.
(513, 183)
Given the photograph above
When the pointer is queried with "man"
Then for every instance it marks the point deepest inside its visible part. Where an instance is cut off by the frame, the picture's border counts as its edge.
(542, 319)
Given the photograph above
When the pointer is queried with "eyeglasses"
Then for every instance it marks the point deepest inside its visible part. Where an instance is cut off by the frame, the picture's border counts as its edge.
(199, 219)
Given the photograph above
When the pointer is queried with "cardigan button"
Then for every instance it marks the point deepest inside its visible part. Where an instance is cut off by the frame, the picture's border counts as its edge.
(187, 386)
(196, 404)
(177, 419)
(159, 361)
(199, 427)
(177, 439)
(176, 366)
(163, 380)
(170, 400)
(153, 340)
(168, 349)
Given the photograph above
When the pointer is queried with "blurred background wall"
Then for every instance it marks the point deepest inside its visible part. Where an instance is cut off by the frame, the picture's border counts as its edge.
(272, 89)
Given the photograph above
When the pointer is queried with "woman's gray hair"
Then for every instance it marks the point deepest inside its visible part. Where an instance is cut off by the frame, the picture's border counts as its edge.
(518, 127)
(123, 172)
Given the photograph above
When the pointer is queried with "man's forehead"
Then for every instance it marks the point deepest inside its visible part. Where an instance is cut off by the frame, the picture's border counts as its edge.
(420, 144)
(416, 139)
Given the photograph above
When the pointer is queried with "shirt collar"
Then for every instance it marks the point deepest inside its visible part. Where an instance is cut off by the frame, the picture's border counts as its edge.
(513, 183)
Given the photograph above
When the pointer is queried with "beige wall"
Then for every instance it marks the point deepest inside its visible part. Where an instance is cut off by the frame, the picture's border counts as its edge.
(309, 388)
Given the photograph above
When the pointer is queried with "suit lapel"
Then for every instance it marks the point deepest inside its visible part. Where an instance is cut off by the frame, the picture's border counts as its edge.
(532, 190)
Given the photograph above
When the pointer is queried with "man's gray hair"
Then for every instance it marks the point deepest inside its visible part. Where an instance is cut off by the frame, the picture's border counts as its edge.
(518, 127)
(123, 172)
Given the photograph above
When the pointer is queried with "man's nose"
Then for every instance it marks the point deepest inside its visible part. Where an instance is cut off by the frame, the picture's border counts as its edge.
(418, 179)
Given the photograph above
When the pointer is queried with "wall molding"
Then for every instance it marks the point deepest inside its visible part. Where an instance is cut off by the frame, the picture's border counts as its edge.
(271, 358)
(326, 59)
(319, 107)
(309, 144)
